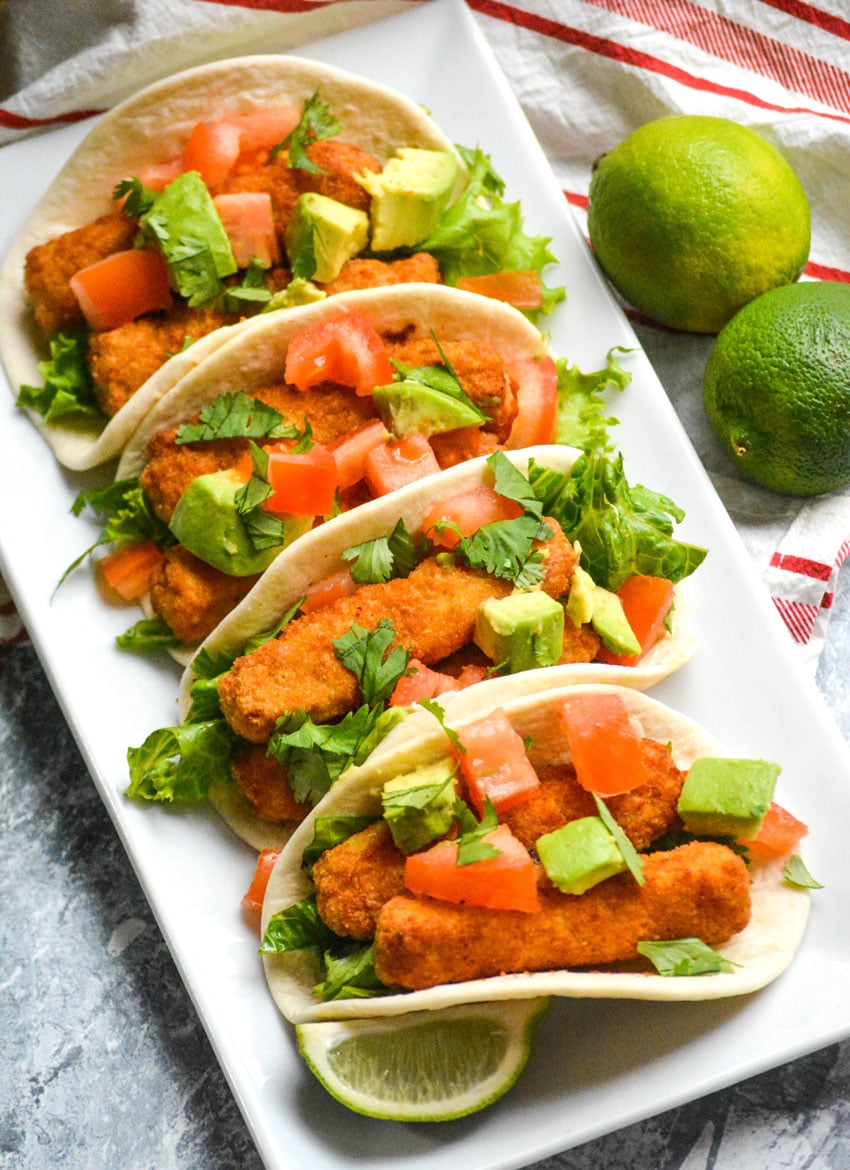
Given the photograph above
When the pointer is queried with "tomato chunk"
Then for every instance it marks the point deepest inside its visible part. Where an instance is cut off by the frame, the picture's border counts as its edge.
(253, 898)
(248, 220)
(157, 176)
(265, 127)
(605, 747)
(421, 683)
(537, 403)
(328, 590)
(780, 833)
(122, 286)
(304, 484)
(212, 149)
(346, 349)
(495, 764)
(128, 569)
(350, 453)
(646, 603)
(506, 882)
(469, 511)
(520, 288)
(390, 466)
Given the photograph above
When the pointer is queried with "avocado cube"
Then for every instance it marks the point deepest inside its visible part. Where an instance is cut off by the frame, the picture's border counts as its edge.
(579, 607)
(523, 630)
(411, 408)
(725, 797)
(419, 806)
(579, 855)
(611, 624)
(322, 235)
(207, 523)
(408, 196)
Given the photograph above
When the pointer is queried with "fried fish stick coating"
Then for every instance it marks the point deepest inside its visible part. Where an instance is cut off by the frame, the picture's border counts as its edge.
(432, 612)
(122, 359)
(420, 268)
(262, 781)
(698, 890)
(355, 879)
(191, 596)
(644, 813)
(50, 266)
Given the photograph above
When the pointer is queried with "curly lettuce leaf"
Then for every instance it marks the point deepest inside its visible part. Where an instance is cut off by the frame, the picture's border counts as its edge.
(68, 388)
(582, 419)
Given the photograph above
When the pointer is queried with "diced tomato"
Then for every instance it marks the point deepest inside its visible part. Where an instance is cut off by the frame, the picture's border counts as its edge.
(470, 511)
(495, 764)
(328, 590)
(128, 569)
(472, 674)
(350, 453)
(520, 288)
(779, 834)
(304, 484)
(265, 127)
(346, 349)
(253, 899)
(122, 286)
(390, 466)
(506, 882)
(248, 220)
(537, 403)
(646, 603)
(157, 176)
(421, 683)
(605, 747)
(212, 149)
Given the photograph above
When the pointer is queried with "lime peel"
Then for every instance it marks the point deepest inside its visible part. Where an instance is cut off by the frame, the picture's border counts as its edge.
(423, 1066)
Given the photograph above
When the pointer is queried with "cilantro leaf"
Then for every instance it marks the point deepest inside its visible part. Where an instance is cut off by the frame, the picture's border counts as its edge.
(627, 850)
(451, 735)
(138, 199)
(470, 845)
(505, 549)
(684, 956)
(513, 485)
(316, 754)
(317, 122)
(180, 763)
(376, 561)
(237, 416)
(68, 388)
(796, 873)
(372, 657)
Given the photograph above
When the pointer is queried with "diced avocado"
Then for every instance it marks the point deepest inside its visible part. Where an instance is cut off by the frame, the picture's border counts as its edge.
(411, 408)
(579, 608)
(322, 235)
(727, 797)
(579, 855)
(408, 196)
(298, 292)
(180, 215)
(207, 523)
(419, 806)
(611, 624)
(523, 630)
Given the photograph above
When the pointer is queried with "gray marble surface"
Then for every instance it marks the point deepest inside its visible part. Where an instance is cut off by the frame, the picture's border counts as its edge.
(103, 1059)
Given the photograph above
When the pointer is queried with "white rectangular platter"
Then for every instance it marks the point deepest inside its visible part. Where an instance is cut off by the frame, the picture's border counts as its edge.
(596, 1066)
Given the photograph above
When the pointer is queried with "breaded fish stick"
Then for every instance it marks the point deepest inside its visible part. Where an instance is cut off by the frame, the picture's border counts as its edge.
(355, 879)
(698, 890)
(433, 614)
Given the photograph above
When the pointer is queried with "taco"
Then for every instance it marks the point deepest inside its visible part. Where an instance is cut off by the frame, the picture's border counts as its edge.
(430, 591)
(336, 404)
(602, 879)
(250, 184)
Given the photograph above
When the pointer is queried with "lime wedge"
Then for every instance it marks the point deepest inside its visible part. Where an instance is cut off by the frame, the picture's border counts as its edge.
(424, 1066)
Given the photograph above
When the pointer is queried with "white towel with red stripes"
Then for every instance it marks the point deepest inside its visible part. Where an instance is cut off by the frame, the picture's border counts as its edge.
(586, 72)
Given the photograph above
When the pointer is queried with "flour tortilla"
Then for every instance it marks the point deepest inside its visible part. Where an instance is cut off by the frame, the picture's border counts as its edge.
(254, 356)
(153, 126)
(319, 554)
(763, 950)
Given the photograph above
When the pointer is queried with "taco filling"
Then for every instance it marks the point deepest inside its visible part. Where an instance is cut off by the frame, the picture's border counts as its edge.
(263, 210)
(485, 586)
(584, 845)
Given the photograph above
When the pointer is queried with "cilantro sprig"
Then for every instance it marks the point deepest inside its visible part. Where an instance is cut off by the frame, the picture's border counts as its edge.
(316, 123)
(471, 846)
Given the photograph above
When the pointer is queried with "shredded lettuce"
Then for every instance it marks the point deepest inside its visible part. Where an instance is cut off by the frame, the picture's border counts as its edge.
(181, 763)
(68, 388)
(684, 956)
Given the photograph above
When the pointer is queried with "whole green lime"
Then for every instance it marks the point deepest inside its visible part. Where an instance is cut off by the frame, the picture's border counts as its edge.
(777, 388)
(691, 217)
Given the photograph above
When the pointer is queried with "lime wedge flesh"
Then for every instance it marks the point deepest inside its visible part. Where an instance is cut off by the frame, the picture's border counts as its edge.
(424, 1066)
